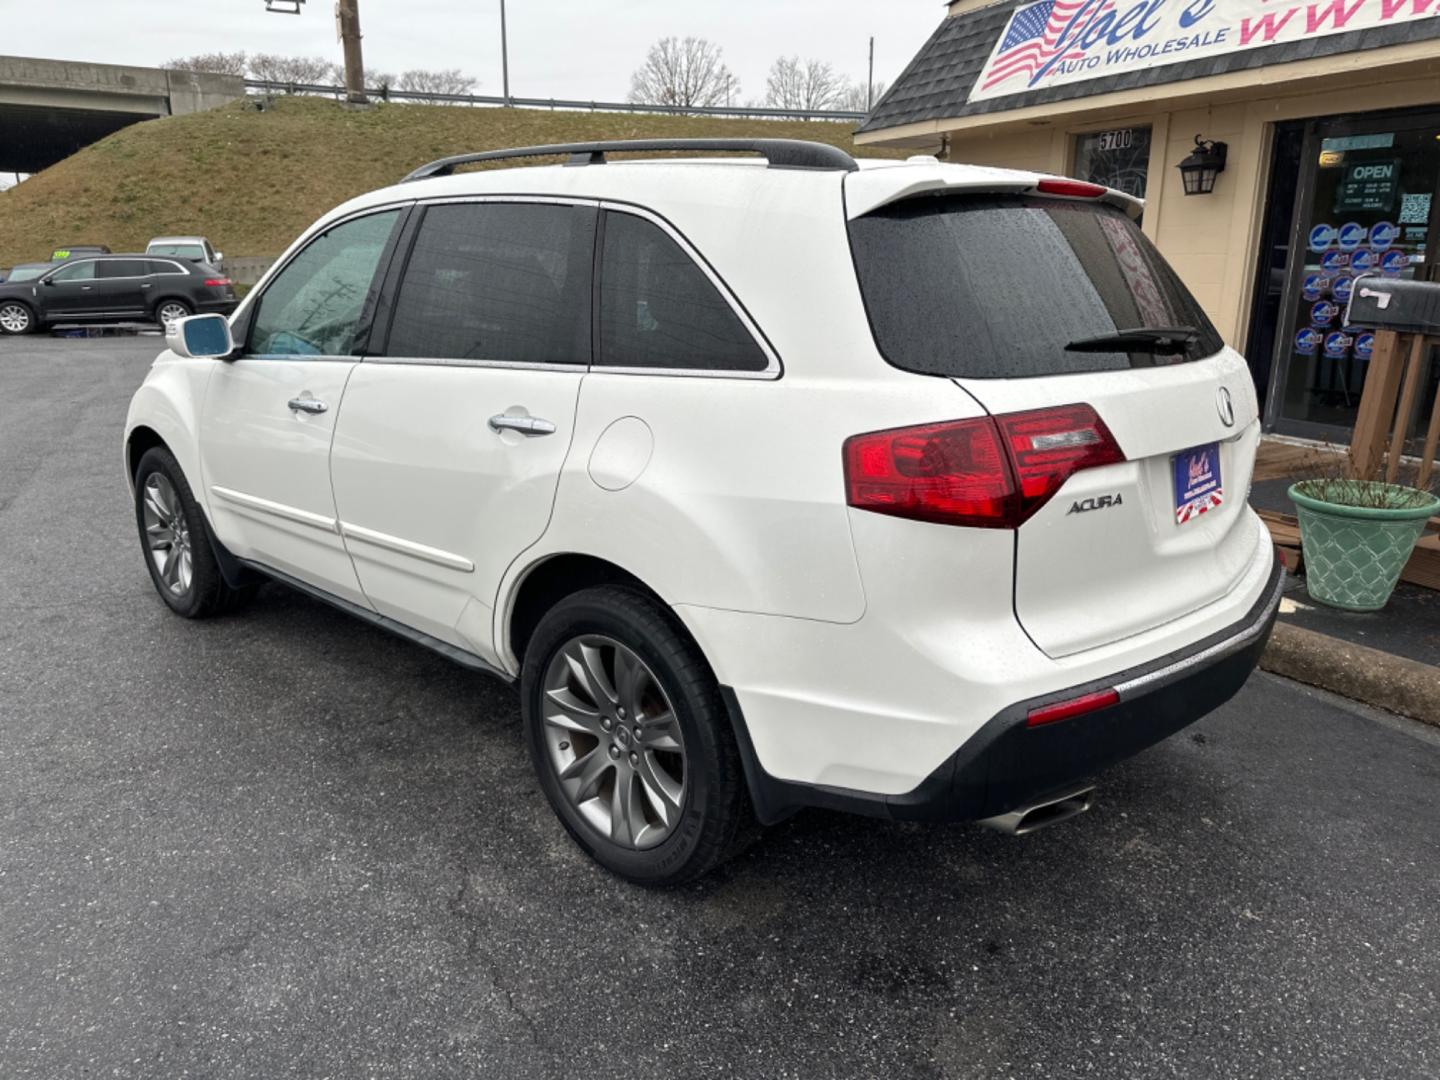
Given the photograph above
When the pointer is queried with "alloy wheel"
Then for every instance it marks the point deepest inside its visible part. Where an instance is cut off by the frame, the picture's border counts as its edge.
(167, 534)
(171, 313)
(614, 741)
(14, 318)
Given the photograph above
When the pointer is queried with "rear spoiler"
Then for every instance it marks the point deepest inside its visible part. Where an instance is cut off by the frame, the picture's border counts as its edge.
(870, 189)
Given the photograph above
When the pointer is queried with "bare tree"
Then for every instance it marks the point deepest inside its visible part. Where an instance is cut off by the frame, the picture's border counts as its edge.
(312, 70)
(449, 81)
(376, 79)
(688, 73)
(216, 63)
(854, 96)
(802, 84)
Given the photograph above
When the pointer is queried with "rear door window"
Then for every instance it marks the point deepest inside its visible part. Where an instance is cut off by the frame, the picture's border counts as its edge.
(997, 286)
(314, 305)
(122, 268)
(659, 309)
(499, 282)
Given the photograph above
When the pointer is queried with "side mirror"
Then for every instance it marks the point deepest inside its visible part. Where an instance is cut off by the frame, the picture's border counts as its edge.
(200, 337)
(219, 256)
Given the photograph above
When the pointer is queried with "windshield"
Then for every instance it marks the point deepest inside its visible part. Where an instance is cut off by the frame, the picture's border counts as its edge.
(179, 251)
(26, 273)
(997, 286)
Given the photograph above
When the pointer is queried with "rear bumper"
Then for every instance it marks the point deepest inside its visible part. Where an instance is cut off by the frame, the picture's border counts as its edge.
(216, 307)
(1007, 764)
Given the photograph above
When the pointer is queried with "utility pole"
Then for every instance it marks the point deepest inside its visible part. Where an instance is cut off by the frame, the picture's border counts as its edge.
(347, 16)
(504, 55)
(870, 79)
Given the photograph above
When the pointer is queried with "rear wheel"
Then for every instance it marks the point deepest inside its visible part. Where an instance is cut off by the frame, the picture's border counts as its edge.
(176, 541)
(16, 318)
(630, 739)
(171, 311)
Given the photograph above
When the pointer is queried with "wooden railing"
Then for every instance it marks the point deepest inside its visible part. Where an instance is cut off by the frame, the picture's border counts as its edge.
(1397, 372)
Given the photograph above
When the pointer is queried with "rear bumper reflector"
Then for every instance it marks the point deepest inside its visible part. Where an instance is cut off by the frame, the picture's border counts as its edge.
(1078, 706)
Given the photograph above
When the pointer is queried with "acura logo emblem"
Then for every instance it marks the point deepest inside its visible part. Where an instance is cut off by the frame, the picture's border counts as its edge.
(1226, 407)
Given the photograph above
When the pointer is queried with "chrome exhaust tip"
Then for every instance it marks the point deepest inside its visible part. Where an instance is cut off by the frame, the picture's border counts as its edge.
(1049, 811)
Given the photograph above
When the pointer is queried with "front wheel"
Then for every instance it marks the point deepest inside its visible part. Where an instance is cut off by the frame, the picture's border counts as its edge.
(630, 739)
(169, 312)
(176, 540)
(16, 318)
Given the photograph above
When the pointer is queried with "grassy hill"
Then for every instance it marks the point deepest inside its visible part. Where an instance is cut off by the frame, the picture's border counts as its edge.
(252, 180)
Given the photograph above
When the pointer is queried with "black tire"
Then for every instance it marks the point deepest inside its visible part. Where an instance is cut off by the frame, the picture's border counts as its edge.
(171, 301)
(206, 592)
(716, 820)
(19, 309)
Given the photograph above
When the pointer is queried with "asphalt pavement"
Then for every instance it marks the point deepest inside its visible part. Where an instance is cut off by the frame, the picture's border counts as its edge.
(284, 844)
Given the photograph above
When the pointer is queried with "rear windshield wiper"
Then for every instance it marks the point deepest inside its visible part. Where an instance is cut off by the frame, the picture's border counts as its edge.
(1154, 339)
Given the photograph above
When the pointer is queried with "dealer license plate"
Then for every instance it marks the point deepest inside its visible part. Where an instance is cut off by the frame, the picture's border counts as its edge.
(1197, 482)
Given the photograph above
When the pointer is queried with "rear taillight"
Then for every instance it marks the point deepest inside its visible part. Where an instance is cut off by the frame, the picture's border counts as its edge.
(217, 282)
(1070, 189)
(989, 473)
(1048, 446)
(954, 473)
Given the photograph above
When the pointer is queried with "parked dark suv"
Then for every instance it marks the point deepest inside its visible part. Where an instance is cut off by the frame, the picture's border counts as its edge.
(115, 288)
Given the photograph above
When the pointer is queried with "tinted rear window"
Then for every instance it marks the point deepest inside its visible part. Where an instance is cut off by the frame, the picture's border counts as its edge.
(183, 251)
(996, 286)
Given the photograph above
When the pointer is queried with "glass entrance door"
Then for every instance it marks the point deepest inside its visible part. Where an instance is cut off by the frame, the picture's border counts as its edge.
(1366, 205)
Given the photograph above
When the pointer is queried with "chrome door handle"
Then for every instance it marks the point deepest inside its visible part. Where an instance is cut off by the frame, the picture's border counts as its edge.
(308, 405)
(526, 425)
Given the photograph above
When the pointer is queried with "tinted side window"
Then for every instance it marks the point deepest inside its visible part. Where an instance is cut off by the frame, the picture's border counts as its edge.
(658, 309)
(498, 281)
(313, 306)
(121, 268)
(154, 266)
(82, 271)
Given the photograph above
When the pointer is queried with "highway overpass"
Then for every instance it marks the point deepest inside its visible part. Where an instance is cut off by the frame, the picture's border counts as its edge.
(51, 108)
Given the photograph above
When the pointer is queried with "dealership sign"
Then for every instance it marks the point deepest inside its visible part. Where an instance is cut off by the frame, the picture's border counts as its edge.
(1061, 42)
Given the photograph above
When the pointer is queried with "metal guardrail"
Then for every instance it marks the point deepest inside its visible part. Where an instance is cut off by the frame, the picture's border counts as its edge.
(385, 93)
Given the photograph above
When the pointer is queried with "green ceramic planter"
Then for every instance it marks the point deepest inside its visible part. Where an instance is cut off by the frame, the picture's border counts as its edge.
(1354, 554)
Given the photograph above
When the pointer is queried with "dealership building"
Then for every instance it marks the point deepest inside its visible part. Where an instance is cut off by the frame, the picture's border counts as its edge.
(1283, 148)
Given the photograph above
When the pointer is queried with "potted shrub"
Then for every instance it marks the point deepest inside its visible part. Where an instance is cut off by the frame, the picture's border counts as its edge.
(1356, 536)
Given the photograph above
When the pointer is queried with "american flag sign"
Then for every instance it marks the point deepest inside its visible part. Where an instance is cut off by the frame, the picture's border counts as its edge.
(1033, 39)
(1197, 483)
(1055, 43)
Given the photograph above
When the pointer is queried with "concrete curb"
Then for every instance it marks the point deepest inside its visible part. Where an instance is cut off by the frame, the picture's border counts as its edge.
(1363, 674)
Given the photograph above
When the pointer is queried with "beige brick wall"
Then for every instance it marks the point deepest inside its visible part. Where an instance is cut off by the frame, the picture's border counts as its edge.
(1195, 232)
(1038, 151)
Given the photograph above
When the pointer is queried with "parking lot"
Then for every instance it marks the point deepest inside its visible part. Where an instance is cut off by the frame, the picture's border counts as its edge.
(286, 844)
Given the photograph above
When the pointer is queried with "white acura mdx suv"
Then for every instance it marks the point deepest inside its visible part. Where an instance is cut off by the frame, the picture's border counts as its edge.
(905, 488)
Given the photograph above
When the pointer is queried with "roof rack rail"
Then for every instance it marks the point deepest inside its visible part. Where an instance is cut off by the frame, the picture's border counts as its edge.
(780, 153)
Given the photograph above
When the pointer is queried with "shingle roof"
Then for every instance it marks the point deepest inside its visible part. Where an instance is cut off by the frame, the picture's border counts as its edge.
(937, 83)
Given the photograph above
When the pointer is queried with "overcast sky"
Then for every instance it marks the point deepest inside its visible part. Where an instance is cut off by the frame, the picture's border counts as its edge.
(558, 48)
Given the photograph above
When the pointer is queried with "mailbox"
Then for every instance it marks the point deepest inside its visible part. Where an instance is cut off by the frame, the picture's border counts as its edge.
(1382, 303)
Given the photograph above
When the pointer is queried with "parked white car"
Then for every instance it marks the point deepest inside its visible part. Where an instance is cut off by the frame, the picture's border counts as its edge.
(194, 248)
(906, 488)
